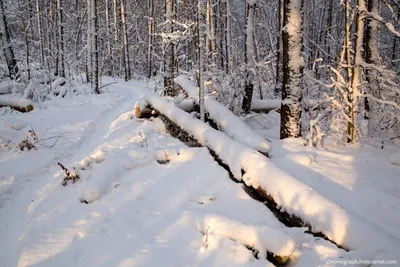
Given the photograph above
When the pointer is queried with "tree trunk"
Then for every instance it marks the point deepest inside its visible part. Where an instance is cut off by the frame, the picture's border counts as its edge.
(371, 54)
(201, 58)
(228, 37)
(279, 70)
(40, 33)
(150, 38)
(61, 37)
(127, 68)
(95, 53)
(89, 43)
(6, 43)
(354, 93)
(249, 56)
(293, 65)
(169, 50)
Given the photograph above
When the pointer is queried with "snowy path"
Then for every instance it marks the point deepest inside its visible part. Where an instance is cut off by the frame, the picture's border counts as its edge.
(141, 213)
(78, 120)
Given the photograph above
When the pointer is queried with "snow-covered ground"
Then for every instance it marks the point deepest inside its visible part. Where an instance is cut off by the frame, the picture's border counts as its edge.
(152, 201)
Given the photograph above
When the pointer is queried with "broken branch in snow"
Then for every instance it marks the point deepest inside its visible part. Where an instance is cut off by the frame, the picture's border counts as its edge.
(69, 176)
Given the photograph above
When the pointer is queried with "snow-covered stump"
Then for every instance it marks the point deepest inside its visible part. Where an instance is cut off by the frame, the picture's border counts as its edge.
(18, 103)
(222, 118)
(291, 201)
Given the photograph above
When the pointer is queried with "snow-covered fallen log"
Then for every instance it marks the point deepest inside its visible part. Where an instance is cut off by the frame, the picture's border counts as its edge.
(60, 81)
(18, 103)
(233, 126)
(144, 111)
(265, 105)
(322, 216)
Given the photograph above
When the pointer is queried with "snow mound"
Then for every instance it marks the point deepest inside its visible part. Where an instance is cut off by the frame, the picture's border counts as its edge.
(395, 158)
(15, 124)
(302, 158)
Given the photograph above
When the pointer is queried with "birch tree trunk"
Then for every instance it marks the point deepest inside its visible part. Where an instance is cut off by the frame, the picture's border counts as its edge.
(40, 32)
(293, 65)
(228, 36)
(127, 68)
(89, 43)
(6, 43)
(279, 70)
(249, 56)
(169, 49)
(354, 93)
(210, 34)
(95, 53)
(150, 38)
(61, 37)
(201, 58)
(371, 54)
(107, 28)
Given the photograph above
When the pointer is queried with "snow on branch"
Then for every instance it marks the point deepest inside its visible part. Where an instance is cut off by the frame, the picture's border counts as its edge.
(378, 18)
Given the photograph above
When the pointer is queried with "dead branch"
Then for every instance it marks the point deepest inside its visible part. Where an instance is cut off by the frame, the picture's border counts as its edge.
(69, 176)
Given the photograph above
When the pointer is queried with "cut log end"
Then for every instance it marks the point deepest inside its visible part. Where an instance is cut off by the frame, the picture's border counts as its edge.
(28, 108)
(145, 113)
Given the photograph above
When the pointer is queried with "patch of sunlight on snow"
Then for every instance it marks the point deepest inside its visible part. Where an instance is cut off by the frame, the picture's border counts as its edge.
(47, 247)
(127, 263)
(325, 250)
(338, 166)
(114, 125)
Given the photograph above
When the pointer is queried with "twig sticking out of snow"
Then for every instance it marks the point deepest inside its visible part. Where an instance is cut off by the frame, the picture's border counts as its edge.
(69, 176)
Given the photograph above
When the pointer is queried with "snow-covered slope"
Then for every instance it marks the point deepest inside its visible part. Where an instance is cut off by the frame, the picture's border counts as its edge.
(152, 200)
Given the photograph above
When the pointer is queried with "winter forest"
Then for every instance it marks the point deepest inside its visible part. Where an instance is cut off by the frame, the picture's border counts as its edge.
(199, 133)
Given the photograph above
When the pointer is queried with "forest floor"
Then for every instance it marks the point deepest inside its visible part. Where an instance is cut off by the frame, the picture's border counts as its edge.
(143, 198)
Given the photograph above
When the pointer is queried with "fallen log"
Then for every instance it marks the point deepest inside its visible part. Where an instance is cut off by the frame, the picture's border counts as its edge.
(144, 111)
(265, 105)
(295, 202)
(228, 122)
(18, 103)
